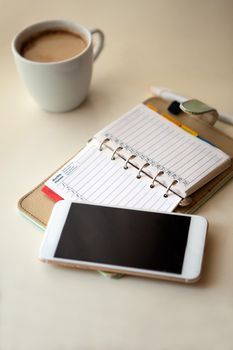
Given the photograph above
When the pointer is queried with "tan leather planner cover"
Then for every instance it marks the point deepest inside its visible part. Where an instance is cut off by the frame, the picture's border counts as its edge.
(37, 206)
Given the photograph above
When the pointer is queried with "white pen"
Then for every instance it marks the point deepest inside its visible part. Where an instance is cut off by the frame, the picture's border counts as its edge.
(170, 95)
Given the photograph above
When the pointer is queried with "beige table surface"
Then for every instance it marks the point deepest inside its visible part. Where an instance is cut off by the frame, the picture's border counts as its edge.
(186, 45)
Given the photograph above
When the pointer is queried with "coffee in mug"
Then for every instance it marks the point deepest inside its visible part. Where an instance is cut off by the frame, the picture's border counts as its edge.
(53, 45)
(55, 60)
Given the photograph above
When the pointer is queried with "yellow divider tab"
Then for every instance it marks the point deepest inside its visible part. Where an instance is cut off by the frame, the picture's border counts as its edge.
(191, 131)
(152, 107)
(171, 119)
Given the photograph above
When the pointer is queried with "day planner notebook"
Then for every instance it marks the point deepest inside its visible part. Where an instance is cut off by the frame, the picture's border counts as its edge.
(143, 161)
(37, 206)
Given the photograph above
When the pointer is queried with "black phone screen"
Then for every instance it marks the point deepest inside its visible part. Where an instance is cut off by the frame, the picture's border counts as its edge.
(123, 237)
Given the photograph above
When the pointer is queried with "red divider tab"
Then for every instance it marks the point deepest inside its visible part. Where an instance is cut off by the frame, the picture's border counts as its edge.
(51, 194)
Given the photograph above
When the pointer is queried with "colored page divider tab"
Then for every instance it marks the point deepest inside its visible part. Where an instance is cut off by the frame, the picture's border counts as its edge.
(171, 119)
(191, 131)
(152, 107)
(51, 194)
(174, 121)
(203, 139)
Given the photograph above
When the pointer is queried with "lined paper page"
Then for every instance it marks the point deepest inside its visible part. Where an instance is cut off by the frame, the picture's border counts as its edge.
(165, 146)
(92, 176)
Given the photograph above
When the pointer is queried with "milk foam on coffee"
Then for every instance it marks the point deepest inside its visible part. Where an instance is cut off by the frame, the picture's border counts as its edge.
(53, 45)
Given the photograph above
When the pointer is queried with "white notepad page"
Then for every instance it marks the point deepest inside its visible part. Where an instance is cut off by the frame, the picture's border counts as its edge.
(92, 176)
(167, 147)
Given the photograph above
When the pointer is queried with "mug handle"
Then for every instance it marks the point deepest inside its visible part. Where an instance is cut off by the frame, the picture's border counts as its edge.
(99, 44)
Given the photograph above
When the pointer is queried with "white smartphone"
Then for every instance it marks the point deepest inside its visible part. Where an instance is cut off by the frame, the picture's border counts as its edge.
(128, 241)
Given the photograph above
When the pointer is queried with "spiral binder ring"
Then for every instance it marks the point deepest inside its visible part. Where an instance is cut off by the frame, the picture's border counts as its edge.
(115, 151)
(169, 187)
(103, 142)
(140, 170)
(128, 159)
(152, 185)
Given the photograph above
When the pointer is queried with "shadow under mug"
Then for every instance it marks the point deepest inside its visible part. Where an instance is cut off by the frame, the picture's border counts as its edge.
(62, 85)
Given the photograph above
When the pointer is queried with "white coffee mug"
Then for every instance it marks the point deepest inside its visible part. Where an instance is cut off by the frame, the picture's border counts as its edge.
(62, 85)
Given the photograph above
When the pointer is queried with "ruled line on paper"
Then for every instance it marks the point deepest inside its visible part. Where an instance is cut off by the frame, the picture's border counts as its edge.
(130, 132)
(147, 139)
(124, 121)
(83, 168)
(172, 162)
(203, 172)
(115, 195)
(162, 145)
(110, 184)
(88, 174)
(195, 164)
(163, 149)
